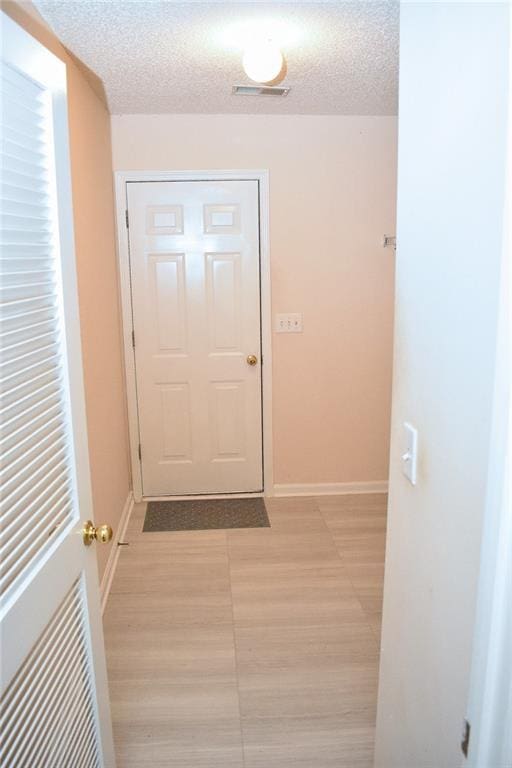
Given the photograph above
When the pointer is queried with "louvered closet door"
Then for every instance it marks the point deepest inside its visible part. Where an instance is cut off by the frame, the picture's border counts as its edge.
(54, 709)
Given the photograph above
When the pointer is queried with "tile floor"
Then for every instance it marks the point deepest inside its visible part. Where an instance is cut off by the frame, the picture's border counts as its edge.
(253, 648)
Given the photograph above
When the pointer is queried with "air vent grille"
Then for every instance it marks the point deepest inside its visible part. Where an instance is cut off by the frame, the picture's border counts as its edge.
(36, 478)
(260, 90)
(47, 713)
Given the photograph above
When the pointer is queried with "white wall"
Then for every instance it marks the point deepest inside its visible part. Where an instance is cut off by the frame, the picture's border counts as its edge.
(452, 144)
(332, 197)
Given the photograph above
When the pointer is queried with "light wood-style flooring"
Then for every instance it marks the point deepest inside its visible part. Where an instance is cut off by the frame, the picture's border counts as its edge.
(253, 648)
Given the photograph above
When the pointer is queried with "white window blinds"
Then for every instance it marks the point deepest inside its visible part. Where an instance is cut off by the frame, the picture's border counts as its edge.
(36, 486)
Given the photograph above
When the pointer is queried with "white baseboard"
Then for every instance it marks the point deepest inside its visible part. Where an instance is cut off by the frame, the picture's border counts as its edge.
(330, 489)
(108, 575)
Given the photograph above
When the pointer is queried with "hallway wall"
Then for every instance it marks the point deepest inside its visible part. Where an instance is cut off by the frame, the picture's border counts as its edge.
(454, 72)
(332, 197)
(95, 248)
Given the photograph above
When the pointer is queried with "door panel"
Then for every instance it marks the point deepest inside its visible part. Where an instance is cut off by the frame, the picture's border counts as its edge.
(168, 287)
(176, 422)
(194, 264)
(223, 297)
(227, 421)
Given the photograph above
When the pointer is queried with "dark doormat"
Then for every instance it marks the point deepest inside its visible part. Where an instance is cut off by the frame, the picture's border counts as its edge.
(205, 514)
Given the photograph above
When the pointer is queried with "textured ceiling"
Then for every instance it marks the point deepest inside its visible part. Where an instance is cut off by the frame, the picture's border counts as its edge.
(160, 56)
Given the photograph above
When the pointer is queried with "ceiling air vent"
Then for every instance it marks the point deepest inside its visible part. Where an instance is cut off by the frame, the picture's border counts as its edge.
(260, 90)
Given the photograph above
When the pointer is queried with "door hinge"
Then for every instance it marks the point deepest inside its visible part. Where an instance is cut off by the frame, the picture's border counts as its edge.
(127, 219)
(133, 339)
(140, 452)
(466, 733)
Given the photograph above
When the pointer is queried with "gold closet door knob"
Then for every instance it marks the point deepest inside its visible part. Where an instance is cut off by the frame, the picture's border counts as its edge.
(252, 359)
(90, 533)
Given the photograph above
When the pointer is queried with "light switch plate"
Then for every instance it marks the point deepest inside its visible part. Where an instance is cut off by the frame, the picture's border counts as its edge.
(409, 456)
(291, 322)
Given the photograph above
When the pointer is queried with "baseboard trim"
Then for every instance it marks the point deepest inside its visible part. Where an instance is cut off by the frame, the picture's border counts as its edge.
(110, 568)
(330, 489)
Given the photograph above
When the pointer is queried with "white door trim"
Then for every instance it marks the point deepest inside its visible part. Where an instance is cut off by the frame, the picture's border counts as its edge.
(489, 710)
(262, 177)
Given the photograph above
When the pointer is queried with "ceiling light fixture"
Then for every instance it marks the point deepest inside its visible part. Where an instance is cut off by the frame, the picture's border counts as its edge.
(262, 60)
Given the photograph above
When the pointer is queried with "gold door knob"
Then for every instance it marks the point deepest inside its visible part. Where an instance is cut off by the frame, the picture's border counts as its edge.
(252, 359)
(90, 533)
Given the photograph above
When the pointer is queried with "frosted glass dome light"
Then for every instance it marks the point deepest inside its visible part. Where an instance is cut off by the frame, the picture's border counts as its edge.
(262, 61)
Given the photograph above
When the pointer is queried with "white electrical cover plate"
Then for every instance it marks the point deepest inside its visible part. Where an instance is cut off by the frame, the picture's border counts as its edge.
(291, 322)
(409, 456)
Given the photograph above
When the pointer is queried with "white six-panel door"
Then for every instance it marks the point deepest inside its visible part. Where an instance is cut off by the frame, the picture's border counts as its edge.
(195, 279)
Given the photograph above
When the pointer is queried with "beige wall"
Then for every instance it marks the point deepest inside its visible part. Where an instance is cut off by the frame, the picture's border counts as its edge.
(332, 193)
(90, 148)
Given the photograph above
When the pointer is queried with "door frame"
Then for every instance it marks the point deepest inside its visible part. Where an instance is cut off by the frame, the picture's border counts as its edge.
(121, 178)
(489, 708)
